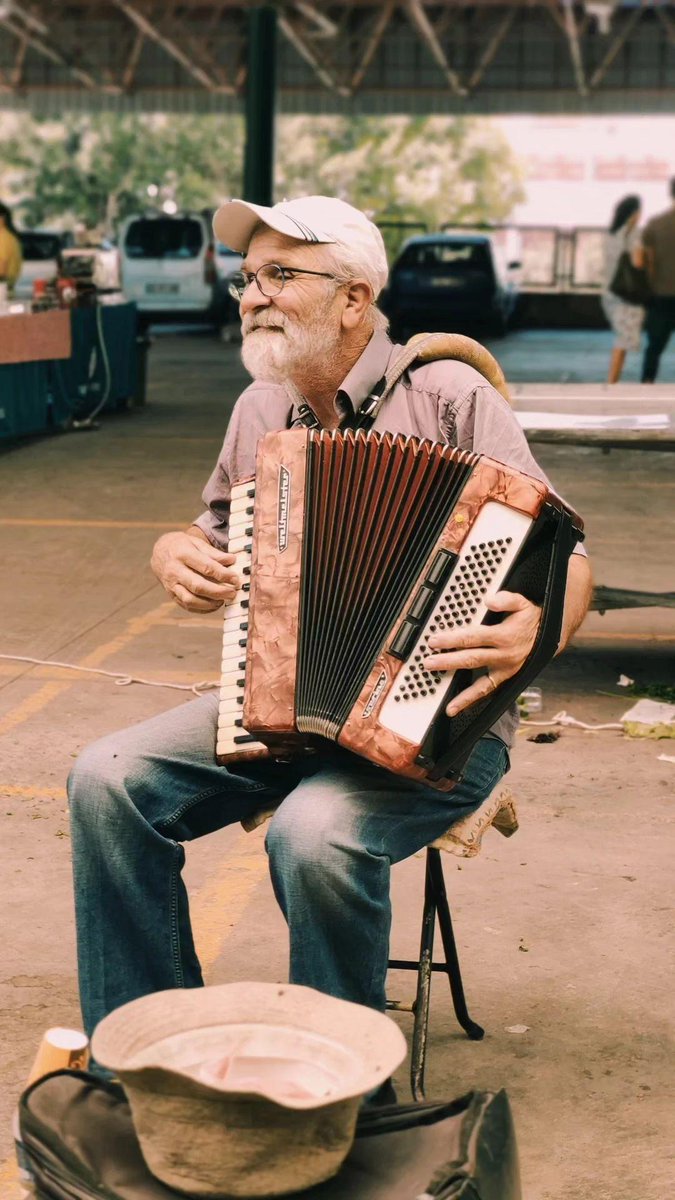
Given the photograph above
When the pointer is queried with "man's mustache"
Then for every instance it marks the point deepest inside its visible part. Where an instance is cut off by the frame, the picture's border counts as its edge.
(251, 322)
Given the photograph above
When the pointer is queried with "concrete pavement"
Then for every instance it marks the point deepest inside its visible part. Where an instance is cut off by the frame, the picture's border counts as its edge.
(565, 928)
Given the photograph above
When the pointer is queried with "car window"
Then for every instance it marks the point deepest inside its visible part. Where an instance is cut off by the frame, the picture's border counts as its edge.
(461, 256)
(39, 247)
(159, 237)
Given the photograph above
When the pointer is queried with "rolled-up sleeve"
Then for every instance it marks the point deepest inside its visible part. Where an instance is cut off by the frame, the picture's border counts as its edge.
(261, 407)
(216, 496)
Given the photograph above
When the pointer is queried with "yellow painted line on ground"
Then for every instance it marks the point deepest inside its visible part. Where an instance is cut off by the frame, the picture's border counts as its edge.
(10, 1185)
(65, 523)
(33, 704)
(32, 793)
(218, 907)
(602, 483)
(134, 628)
(188, 622)
(623, 637)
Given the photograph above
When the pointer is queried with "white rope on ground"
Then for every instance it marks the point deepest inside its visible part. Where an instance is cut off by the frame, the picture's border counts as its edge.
(206, 685)
(121, 680)
(563, 718)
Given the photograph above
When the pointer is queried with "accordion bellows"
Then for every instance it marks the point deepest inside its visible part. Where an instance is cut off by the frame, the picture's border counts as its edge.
(355, 547)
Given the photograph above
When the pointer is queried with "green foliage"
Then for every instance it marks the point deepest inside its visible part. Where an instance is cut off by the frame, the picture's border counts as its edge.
(420, 170)
(424, 170)
(97, 169)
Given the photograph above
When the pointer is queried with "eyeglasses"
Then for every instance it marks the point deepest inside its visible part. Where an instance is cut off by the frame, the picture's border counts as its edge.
(270, 279)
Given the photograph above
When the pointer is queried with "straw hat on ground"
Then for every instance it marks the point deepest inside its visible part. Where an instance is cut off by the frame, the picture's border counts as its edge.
(246, 1089)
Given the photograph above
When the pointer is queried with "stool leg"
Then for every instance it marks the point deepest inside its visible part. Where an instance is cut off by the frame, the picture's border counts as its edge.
(423, 996)
(436, 881)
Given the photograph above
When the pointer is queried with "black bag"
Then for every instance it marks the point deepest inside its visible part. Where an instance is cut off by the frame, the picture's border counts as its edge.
(630, 283)
(79, 1142)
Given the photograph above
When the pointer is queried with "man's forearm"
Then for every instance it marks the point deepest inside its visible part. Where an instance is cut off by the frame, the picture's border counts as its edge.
(578, 595)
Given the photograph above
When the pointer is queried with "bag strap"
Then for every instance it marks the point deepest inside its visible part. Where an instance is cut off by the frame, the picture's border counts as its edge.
(428, 347)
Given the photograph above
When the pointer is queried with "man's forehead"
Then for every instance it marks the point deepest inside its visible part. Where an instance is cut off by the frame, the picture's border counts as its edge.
(268, 246)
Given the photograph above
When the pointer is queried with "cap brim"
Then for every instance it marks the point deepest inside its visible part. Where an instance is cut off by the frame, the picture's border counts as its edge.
(235, 221)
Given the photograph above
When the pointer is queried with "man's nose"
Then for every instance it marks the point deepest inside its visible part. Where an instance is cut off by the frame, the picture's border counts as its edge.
(253, 298)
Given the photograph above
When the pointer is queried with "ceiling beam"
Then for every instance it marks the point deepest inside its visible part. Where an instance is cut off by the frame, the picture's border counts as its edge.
(311, 56)
(132, 61)
(623, 34)
(324, 26)
(17, 69)
(372, 45)
(667, 25)
(491, 49)
(572, 33)
(420, 21)
(201, 54)
(49, 51)
(167, 44)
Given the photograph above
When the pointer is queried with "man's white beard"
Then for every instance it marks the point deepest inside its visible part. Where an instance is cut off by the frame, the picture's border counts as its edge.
(277, 349)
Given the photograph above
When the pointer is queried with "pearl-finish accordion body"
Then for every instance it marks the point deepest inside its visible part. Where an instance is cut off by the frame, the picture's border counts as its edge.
(353, 549)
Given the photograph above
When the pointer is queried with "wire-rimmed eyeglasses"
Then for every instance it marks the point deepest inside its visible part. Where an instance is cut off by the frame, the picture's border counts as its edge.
(270, 279)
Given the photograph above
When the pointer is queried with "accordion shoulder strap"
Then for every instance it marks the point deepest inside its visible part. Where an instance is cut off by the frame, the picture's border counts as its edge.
(427, 347)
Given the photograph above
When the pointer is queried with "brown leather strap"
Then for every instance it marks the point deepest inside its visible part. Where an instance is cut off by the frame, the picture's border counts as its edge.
(427, 347)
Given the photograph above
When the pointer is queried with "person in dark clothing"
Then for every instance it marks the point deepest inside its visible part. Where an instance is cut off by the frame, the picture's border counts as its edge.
(658, 242)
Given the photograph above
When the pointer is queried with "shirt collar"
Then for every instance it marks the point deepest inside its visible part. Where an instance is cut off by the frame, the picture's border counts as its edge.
(367, 371)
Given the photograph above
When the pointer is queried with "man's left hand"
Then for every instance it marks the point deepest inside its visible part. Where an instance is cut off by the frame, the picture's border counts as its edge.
(501, 649)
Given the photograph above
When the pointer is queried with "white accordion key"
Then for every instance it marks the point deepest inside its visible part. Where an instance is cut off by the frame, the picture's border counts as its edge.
(232, 738)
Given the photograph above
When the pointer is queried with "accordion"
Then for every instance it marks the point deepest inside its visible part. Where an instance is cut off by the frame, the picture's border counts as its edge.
(353, 548)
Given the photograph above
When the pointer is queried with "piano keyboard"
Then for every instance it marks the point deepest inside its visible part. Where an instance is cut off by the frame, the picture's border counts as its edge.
(232, 737)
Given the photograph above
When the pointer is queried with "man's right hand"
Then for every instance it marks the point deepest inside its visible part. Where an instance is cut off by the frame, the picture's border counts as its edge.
(194, 573)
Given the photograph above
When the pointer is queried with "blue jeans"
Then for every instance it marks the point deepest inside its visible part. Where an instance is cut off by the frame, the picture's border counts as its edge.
(135, 796)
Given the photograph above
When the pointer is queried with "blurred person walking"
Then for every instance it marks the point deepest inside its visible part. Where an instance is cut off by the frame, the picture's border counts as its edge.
(11, 257)
(625, 318)
(659, 260)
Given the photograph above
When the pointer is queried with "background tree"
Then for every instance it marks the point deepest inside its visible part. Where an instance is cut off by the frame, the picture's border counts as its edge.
(429, 170)
(97, 169)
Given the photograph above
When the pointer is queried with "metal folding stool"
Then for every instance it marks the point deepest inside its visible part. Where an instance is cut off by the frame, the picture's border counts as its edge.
(435, 905)
(498, 811)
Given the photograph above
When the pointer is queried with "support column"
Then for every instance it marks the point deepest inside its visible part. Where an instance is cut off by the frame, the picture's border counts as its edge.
(260, 105)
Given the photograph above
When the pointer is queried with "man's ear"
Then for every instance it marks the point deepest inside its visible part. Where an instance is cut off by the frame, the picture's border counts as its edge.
(358, 299)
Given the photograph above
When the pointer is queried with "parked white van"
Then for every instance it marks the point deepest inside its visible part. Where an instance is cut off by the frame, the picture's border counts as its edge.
(167, 266)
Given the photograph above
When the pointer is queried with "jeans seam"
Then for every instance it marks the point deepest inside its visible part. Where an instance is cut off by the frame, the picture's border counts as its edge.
(206, 795)
(175, 931)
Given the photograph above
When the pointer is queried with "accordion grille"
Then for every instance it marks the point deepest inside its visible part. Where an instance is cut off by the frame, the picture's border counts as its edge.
(375, 507)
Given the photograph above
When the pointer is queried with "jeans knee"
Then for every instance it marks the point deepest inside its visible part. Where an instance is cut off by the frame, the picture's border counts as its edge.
(300, 840)
(96, 786)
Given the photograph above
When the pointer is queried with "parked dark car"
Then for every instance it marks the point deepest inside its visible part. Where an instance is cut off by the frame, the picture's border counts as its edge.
(450, 282)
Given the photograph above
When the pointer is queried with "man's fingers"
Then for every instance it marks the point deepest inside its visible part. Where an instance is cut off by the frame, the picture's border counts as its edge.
(192, 603)
(508, 602)
(466, 639)
(221, 556)
(484, 686)
(208, 589)
(458, 660)
(208, 566)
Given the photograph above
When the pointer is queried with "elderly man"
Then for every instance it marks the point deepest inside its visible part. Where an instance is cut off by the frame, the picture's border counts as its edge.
(316, 347)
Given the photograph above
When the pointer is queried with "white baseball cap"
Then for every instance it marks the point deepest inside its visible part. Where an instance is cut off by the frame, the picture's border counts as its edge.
(316, 219)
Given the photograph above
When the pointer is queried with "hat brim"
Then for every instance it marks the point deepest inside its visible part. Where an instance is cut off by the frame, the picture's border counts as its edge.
(171, 1030)
(235, 221)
